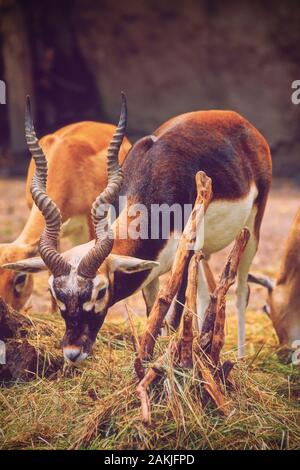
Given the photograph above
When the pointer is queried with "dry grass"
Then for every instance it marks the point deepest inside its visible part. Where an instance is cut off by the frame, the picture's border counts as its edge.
(96, 407)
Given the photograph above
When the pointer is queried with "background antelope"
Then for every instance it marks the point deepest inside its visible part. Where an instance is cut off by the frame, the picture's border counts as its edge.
(159, 168)
(76, 156)
(283, 294)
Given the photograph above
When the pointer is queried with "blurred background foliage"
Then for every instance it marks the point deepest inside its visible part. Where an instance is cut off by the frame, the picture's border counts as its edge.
(171, 56)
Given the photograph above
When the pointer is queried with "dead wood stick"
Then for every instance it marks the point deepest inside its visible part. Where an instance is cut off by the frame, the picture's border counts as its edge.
(153, 373)
(22, 360)
(183, 255)
(212, 335)
(211, 386)
(142, 391)
(12, 323)
(185, 344)
(225, 370)
(211, 283)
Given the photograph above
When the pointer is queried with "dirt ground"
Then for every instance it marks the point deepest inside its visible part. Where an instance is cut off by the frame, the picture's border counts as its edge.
(281, 208)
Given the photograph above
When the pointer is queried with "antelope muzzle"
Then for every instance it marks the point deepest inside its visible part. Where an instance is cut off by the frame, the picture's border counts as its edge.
(80, 336)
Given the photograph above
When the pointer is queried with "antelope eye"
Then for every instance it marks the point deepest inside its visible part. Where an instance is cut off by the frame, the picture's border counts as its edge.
(19, 282)
(101, 293)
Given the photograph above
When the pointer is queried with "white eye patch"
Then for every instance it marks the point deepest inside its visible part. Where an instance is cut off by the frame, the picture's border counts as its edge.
(88, 306)
(95, 303)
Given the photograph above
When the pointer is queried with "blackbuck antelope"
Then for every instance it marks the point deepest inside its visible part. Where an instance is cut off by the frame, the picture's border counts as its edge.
(159, 169)
(76, 156)
(284, 294)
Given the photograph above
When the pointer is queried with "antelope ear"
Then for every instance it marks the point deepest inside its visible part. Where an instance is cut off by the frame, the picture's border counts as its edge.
(129, 264)
(29, 265)
(262, 281)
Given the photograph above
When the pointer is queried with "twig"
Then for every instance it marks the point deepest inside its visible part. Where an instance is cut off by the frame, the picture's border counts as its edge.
(185, 344)
(211, 386)
(211, 283)
(142, 392)
(152, 374)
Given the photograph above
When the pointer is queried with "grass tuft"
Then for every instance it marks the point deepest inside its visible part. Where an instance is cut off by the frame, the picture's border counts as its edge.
(95, 405)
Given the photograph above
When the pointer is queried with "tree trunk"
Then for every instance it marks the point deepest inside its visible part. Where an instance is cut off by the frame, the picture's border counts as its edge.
(20, 360)
(17, 70)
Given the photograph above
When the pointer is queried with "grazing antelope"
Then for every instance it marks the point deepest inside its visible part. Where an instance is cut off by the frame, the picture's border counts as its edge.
(76, 156)
(159, 169)
(284, 295)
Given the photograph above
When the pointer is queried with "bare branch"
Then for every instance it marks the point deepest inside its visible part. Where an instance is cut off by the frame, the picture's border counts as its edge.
(185, 345)
(183, 255)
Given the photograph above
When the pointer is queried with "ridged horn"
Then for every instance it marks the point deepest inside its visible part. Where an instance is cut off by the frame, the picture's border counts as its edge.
(91, 262)
(49, 238)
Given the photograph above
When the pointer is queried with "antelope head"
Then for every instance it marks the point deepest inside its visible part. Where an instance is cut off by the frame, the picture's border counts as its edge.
(82, 279)
(283, 309)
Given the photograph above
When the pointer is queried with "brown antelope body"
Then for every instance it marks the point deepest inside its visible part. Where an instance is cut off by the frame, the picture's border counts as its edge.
(76, 156)
(284, 295)
(159, 169)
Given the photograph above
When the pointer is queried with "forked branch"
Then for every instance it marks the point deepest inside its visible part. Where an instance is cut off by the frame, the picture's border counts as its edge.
(183, 255)
(203, 354)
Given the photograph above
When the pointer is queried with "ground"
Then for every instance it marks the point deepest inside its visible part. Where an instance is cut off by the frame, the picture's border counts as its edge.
(95, 406)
